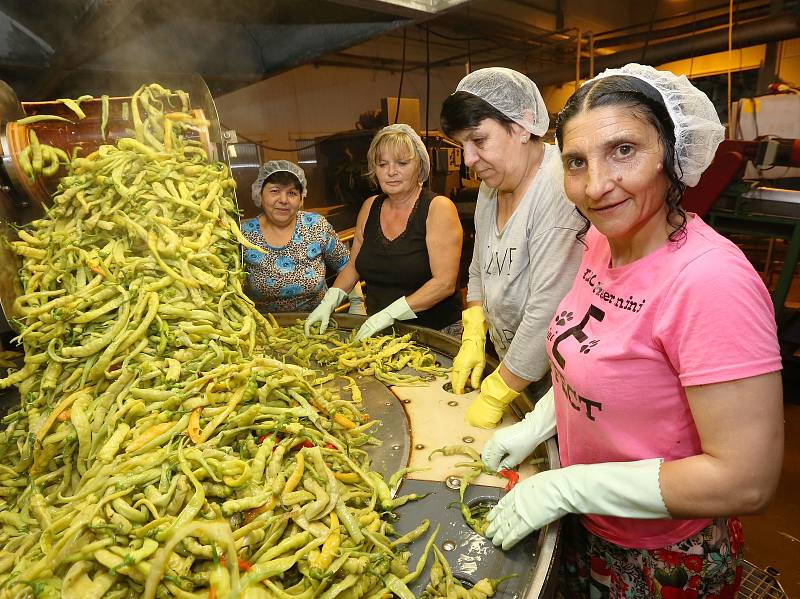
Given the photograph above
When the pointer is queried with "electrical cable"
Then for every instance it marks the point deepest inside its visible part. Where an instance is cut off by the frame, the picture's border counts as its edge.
(649, 31)
(274, 149)
(469, 47)
(402, 74)
(427, 92)
(258, 45)
(427, 83)
(694, 24)
(730, 66)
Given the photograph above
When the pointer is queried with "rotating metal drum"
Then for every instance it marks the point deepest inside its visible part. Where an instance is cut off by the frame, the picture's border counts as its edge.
(23, 199)
(415, 421)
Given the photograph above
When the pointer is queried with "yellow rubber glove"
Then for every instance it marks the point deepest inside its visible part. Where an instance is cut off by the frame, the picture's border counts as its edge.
(487, 409)
(471, 358)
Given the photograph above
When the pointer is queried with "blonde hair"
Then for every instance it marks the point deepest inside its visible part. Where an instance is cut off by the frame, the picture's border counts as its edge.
(401, 142)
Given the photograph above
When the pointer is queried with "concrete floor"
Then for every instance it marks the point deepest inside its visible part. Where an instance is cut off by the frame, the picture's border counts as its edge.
(773, 538)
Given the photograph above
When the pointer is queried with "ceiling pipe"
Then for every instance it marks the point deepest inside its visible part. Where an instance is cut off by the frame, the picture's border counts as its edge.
(683, 16)
(768, 29)
(691, 27)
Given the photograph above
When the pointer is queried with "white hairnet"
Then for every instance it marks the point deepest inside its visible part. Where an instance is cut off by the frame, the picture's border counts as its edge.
(510, 92)
(698, 131)
(419, 146)
(276, 166)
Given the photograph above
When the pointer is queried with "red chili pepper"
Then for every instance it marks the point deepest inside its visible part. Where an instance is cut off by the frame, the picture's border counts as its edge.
(305, 443)
(330, 446)
(511, 475)
(244, 565)
(261, 439)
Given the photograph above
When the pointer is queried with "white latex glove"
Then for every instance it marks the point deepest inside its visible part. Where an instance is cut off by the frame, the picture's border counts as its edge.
(624, 489)
(512, 444)
(398, 310)
(322, 313)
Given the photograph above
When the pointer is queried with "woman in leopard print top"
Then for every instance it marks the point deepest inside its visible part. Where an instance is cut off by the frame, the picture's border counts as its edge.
(288, 275)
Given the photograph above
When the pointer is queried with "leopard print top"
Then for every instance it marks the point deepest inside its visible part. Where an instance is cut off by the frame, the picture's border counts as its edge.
(292, 278)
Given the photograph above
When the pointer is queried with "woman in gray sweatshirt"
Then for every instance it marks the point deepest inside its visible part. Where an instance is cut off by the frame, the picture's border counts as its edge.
(526, 251)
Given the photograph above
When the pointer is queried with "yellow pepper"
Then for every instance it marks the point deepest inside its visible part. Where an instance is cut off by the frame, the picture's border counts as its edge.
(330, 546)
(148, 435)
(343, 421)
(297, 474)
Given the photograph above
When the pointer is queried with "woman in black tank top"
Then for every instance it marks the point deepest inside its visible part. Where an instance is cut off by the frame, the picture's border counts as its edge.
(407, 243)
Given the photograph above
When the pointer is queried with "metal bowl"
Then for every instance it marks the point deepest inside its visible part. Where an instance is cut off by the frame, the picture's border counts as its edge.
(534, 560)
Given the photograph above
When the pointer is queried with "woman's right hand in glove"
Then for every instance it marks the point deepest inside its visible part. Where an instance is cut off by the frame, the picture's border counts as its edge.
(322, 313)
(471, 358)
(512, 444)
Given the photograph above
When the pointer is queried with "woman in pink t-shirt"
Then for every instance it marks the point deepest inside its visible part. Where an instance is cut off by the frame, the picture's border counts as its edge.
(667, 395)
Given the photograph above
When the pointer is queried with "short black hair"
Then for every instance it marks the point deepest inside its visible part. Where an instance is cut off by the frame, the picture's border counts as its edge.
(463, 110)
(646, 103)
(284, 178)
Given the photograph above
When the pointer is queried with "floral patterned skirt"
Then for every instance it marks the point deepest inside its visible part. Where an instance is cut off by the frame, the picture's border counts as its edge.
(708, 564)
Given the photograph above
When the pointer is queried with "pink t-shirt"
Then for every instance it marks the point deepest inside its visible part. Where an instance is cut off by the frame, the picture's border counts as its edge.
(626, 341)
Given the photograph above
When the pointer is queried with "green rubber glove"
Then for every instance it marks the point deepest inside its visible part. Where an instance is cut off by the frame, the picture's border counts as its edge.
(398, 310)
(471, 358)
(322, 313)
(487, 409)
(624, 489)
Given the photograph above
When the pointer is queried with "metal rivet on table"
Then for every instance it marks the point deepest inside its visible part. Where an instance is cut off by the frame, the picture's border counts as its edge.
(452, 403)
(448, 545)
(453, 482)
(468, 439)
(406, 401)
(419, 446)
(388, 403)
(395, 447)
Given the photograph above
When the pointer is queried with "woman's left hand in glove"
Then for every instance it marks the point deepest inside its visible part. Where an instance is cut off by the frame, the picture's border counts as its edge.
(398, 310)
(624, 489)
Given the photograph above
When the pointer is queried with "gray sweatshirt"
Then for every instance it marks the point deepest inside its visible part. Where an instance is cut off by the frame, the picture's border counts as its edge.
(521, 273)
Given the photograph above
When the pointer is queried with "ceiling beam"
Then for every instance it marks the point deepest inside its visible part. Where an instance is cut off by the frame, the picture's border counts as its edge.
(414, 9)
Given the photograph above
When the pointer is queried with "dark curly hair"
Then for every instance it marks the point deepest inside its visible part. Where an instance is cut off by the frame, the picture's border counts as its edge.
(646, 103)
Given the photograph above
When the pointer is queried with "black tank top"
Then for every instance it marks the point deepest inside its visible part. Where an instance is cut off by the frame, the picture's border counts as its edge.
(399, 267)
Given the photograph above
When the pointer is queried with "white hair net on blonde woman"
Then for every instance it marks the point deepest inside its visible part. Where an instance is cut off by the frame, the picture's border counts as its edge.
(510, 92)
(276, 166)
(397, 136)
(698, 131)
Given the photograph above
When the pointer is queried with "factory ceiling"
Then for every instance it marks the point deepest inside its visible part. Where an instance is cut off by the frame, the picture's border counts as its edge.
(71, 47)
(58, 48)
